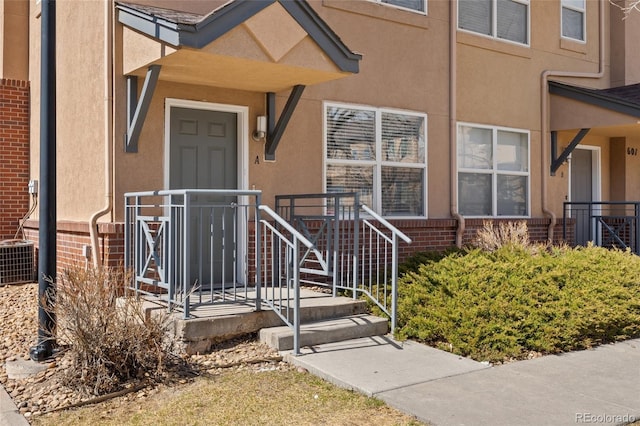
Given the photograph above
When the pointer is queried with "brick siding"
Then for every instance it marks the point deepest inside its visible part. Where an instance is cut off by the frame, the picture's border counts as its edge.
(440, 234)
(426, 235)
(73, 236)
(14, 155)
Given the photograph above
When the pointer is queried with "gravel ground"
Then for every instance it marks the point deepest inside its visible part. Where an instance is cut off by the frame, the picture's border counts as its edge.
(46, 392)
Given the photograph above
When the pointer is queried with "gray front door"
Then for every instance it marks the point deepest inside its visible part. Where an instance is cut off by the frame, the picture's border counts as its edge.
(203, 150)
(582, 192)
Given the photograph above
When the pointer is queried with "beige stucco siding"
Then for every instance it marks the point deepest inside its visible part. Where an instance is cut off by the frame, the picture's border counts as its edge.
(14, 41)
(625, 61)
(80, 106)
(405, 65)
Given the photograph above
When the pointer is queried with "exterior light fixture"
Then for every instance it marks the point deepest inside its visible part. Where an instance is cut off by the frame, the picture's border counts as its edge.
(261, 128)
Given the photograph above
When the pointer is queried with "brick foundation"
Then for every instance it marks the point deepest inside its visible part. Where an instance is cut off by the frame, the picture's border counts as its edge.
(426, 235)
(73, 236)
(440, 234)
(14, 155)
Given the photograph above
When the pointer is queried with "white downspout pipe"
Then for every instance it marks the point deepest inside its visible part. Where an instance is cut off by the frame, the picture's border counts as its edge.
(108, 132)
(453, 136)
(544, 117)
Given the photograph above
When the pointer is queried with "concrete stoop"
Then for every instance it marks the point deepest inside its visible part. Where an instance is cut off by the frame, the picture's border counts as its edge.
(326, 331)
(215, 323)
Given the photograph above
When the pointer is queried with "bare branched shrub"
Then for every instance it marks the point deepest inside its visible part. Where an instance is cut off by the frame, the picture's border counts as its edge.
(110, 342)
(491, 237)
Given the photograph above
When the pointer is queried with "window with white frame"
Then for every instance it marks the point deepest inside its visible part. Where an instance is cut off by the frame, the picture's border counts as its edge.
(414, 5)
(493, 171)
(573, 19)
(381, 154)
(501, 19)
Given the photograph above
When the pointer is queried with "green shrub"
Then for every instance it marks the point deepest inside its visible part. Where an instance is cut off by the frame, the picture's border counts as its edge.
(506, 303)
(413, 263)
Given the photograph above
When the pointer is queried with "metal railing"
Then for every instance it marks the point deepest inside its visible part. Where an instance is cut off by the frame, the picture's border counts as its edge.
(354, 249)
(192, 246)
(379, 263)
(282, 248)
(612, 224)
(200, 247)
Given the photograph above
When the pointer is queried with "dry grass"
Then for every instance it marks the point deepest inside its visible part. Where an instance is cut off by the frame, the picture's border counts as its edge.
(109, 345)
(241, 398)
(514, 234)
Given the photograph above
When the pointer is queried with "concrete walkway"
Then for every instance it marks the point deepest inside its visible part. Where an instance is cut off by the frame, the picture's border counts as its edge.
(9, 414)
(599, 386)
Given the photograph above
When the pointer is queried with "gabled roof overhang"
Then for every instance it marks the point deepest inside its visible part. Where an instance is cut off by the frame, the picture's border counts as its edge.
(258, 45)
(253, 45)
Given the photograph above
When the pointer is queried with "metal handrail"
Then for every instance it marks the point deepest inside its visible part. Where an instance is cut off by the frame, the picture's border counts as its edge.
(396, 233)
(388, 225)
(286, 225)
(292, 259)
(360, 246)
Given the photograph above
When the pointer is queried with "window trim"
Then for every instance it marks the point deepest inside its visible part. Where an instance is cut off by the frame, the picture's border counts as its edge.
(494, 23)
(494, 172)
(395, 6)
(584, 22)
(378, 163)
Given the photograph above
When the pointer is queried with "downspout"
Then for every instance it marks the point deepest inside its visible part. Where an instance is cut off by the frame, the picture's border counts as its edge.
(108, 123)
(453, 137)
(544, 117)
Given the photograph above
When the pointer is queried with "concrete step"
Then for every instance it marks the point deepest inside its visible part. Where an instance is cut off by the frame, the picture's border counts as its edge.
(326, 331)
(213, 323)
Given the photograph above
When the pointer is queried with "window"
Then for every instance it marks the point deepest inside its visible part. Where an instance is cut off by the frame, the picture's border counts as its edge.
(416, 5)
(379, 153)
(573, 19)
(493, 171)
(502, 19)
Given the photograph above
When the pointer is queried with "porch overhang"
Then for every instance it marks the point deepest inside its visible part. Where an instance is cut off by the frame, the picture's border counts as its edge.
(261, 45)
(264, 46)
(574, 107)
(610, 113)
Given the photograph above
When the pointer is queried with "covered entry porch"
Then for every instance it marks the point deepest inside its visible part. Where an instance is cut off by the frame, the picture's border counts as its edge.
(595, 142)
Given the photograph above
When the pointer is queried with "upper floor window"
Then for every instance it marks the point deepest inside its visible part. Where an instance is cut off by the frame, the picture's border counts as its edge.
(502, 19)
(573, 19)
(493, 171)
(416, 5)
(379, 153)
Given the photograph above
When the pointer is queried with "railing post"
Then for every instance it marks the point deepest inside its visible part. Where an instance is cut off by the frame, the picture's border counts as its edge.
(127, 235)
(592, 226)
(258, 253)
(296, 296)
(394, 282)
(137, 252)
(170, 251)
(333, 251)
(564, 221)
(356, 243)
(186, 275)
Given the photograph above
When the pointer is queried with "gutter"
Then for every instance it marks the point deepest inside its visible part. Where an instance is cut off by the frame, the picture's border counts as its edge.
(108, 132)
(544, 118)
(453, 137)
